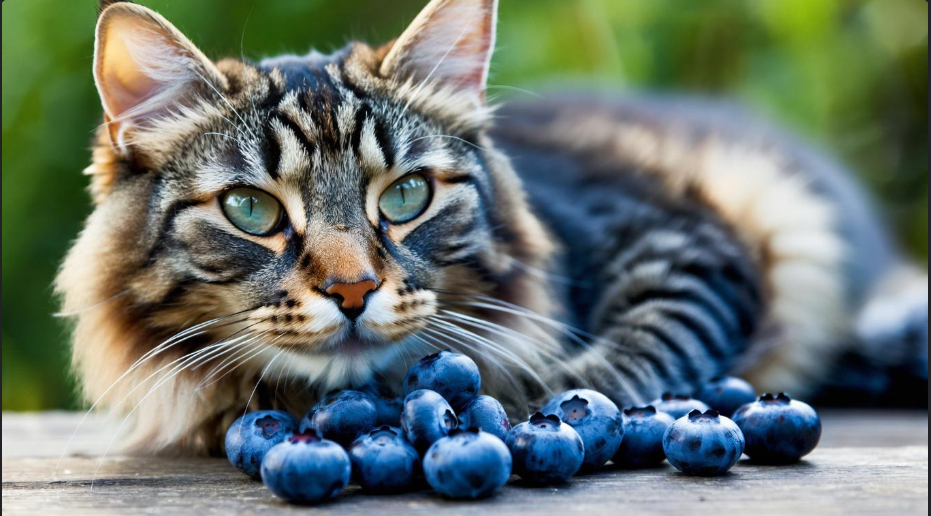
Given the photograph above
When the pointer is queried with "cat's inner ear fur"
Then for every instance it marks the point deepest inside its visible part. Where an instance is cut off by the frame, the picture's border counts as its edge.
(450, 44)
(144, 67)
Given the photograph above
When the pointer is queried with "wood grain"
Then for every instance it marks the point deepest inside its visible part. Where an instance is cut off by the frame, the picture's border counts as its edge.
(868, 463)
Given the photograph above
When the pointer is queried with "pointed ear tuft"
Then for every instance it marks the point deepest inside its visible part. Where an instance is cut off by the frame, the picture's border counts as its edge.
(143, 66)
(450, 42)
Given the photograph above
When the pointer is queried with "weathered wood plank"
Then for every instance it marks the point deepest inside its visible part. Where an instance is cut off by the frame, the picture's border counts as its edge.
(849, 474)
(832, 481)
(45, 434)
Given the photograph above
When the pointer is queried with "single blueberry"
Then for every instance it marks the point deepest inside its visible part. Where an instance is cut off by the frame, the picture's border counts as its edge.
(487, 414)
(341, 416)
(306, 469)
(426, 417)
(596, 419)
(252, 435)
(642, 446)
(383, 460)
(778, 429)
(678, 405)
(726, 394)
(453, 375)
(387, 405)
(703, 444)
(467, 464)
(545, 450)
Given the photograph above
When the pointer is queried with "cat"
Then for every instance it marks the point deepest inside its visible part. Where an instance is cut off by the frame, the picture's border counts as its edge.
(266, 231)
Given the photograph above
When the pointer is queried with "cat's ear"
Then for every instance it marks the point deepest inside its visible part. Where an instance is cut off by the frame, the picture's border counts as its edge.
(144, 66)
(450, 42)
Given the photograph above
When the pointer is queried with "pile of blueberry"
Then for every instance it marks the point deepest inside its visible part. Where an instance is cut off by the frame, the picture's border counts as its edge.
(462, 444)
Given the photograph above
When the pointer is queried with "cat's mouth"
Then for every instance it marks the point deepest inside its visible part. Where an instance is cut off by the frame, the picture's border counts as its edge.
(347, 339)
(352, 345)
(317, 327)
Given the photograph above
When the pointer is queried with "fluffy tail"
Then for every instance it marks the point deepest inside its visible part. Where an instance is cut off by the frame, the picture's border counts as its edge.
(888, 365)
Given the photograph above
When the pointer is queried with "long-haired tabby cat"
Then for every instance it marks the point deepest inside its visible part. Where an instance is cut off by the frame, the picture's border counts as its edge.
(265, 231)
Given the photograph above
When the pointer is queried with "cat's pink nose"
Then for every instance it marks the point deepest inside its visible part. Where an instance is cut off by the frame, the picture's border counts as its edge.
(352, 295)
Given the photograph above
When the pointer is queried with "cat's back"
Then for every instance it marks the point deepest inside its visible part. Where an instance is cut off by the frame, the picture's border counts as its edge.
(585, 157)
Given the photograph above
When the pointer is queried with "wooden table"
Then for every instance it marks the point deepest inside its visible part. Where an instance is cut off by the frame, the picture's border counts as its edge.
(868, 463)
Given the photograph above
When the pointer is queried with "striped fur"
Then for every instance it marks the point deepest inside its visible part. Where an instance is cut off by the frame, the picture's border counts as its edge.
(625, 249)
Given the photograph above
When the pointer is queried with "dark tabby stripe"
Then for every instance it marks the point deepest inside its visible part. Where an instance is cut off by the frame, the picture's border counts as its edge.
(681, 297)
(175, 209)
(270, 148)
(299, 133)
(362, 114)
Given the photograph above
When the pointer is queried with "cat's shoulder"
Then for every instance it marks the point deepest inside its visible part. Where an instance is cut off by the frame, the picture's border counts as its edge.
(674, 116)
(727, 148)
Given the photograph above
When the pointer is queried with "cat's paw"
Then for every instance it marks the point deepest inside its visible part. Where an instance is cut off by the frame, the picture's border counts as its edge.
(893, 329)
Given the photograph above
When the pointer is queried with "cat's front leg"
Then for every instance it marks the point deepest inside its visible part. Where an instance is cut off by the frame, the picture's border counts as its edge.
(673, 305)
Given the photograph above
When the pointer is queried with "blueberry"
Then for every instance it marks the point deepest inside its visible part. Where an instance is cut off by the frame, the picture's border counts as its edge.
(485, 413)
(426, 417)
(453, 375)
(467, 464)
(726, 394)
(341, 416)
(642, 446)
(545, 450)
(388, 411)
(387, 405)
(383, 460)
(252, 435)
(703, 444)
(595, 418)
(778, 429)
(678, 405)
(306, 469)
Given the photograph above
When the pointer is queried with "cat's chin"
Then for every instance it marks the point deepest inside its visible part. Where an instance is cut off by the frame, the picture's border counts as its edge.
(353, 346)
(349, 360)
(349, 345)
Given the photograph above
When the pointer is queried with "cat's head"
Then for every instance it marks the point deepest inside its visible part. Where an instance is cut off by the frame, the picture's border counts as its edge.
(332, 206)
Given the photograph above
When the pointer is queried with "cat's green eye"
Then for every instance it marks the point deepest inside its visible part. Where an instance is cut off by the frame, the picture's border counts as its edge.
(251, 210)
(405, 199)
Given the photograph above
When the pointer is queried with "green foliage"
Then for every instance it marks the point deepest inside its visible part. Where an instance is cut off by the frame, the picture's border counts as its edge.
(850, 74)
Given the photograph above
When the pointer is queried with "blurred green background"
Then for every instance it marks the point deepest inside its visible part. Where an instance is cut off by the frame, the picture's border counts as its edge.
(849, 74)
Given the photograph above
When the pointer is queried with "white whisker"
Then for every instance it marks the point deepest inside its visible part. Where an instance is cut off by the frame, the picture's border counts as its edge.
(556, 358)
(185, 361)
(228, 104)
(568, 331)
(476, 347)
(426, 81)
(237, 362)
(513, 88)
(259, 381)
(451, 137)
(160, 348)
(91, 307)
(492, 346)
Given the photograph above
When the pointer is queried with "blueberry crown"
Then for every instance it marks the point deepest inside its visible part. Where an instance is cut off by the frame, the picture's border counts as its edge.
(268, 423)
(778, 398)
(332, 397)
(450, 419)
(669, 396)
(708, 415)
(645, 410)
(433, 356)
(576, 399)
(307, 436)
(383, 428)
(538, 417)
